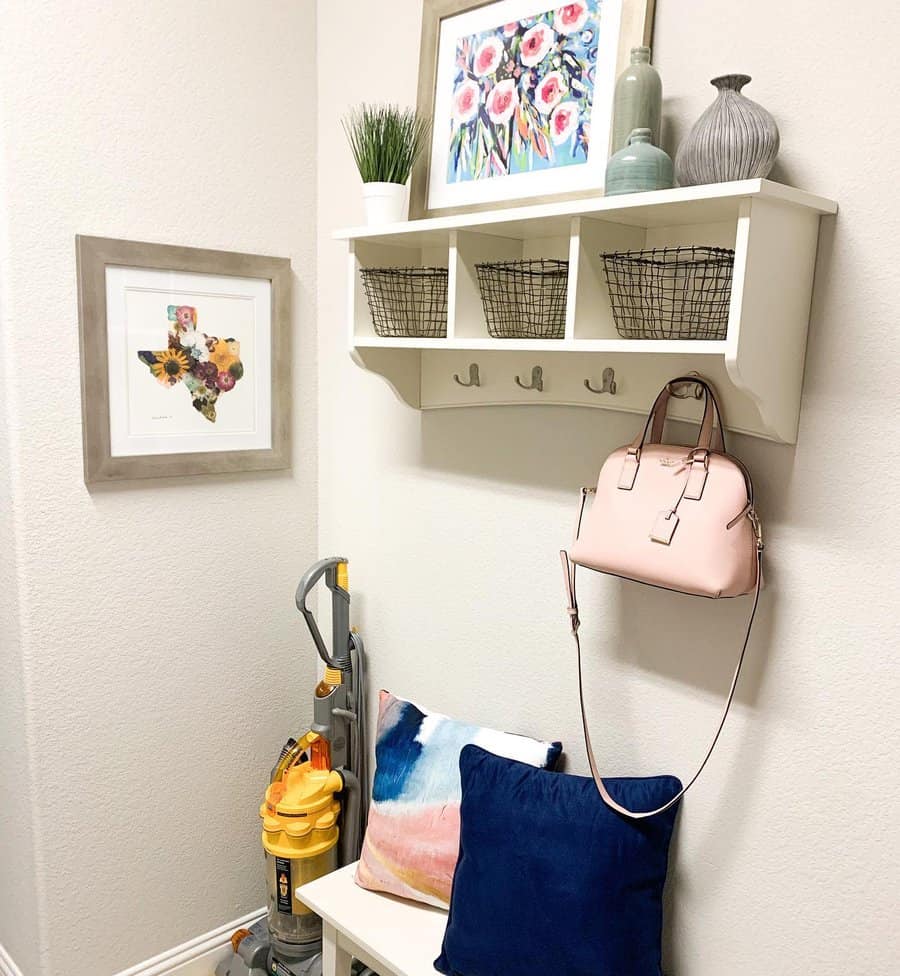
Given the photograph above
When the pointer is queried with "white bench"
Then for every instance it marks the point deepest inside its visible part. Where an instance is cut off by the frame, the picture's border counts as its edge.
(393, 936)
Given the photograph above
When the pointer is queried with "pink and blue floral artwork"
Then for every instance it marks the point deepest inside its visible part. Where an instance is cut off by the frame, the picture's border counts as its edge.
(523, 94)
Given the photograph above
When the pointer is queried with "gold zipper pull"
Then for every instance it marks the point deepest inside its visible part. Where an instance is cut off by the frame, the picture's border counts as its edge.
(757, 528)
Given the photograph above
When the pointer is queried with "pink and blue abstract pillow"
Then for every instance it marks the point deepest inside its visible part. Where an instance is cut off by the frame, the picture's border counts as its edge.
(412, 838)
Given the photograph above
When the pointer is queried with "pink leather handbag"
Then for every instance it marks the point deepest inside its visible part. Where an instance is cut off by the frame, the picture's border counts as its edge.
(679, 518)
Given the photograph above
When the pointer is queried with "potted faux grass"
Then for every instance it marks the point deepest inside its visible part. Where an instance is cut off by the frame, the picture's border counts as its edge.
(386, 141)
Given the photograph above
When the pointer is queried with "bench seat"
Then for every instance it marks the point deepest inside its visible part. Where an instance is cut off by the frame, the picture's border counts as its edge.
(393, 936)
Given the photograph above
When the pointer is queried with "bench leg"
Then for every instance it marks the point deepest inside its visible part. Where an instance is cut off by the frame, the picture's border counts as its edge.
(335, 959)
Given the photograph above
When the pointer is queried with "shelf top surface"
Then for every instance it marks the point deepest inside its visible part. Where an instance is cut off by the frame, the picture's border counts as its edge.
(687, 204)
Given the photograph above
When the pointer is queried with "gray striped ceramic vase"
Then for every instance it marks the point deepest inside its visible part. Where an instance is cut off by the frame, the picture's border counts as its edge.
(734, 139)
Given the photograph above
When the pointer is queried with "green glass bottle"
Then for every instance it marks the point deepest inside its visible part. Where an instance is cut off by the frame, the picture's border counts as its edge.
(638, 100)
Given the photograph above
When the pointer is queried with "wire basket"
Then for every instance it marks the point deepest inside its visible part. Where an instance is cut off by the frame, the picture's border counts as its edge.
(410, 302)
(670, 292)
(524, 299)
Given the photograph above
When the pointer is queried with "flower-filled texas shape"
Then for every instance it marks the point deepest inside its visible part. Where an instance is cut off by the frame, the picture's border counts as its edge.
(207, 365)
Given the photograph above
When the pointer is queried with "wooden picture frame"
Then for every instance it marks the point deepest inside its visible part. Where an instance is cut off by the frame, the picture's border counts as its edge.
(636, 28)
(102, 261)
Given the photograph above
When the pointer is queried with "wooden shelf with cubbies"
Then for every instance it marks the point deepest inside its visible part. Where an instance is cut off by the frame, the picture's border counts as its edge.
(758, 366)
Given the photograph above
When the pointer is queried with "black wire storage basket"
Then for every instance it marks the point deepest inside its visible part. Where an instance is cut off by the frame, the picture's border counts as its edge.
(407, 302)
(524, 299)
(670, 292)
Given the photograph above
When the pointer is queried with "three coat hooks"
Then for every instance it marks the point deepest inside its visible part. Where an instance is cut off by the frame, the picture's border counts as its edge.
(536, 383)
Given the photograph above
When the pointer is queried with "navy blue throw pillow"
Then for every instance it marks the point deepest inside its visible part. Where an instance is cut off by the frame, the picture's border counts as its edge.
(549, 879)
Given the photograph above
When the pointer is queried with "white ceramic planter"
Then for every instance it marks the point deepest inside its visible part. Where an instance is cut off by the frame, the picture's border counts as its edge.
(386, 203)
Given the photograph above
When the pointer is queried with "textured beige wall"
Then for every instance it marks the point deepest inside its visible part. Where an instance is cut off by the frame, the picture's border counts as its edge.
(18, 889)
(452, 521)
(159, 668)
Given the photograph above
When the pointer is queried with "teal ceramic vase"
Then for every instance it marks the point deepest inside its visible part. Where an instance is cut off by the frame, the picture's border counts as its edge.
(640, 166)
(637, 103)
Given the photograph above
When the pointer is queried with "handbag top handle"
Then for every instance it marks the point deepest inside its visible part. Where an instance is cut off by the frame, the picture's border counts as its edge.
(712, 432)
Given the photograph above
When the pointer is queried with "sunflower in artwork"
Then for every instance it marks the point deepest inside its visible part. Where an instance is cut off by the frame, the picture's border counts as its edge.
(170, 366)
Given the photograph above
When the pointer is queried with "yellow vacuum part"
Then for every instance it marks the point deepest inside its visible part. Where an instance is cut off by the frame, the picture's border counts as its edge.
(292, 755)
(300, 812)
(333, 676)
(343, 578)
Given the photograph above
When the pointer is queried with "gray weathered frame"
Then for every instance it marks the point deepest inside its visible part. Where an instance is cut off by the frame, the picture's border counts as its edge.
(636, 29)
(93, 256)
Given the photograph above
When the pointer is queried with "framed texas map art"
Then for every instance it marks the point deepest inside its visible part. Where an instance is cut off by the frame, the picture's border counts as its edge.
(185, 360)
(521, 95)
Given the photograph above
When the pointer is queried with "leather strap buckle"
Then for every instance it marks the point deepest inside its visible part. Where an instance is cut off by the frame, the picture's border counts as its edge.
(629, 468)
(698, 474)
(569, 579)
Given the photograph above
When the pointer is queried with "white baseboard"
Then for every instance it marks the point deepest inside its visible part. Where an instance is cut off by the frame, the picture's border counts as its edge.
(197, 957)
(7, 966)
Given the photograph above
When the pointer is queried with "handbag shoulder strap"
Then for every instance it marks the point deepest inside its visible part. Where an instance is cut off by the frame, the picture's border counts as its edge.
(569, 569)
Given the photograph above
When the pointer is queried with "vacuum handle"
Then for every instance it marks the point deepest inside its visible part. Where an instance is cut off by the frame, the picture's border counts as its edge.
(328, 568)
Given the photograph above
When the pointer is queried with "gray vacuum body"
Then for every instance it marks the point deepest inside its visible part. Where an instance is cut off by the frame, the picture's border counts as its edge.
(257, 956)
(339, 717)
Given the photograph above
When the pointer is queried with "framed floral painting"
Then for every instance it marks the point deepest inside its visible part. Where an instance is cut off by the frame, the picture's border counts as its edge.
(521, 94)
(185, 360)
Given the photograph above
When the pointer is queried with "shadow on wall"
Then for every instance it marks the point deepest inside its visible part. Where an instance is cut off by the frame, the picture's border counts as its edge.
(689, 640)
(684, 640)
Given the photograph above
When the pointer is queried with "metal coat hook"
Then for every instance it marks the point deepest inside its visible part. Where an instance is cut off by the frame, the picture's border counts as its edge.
(607, 382)
(474, 378)
(537, 380)
(686, 391)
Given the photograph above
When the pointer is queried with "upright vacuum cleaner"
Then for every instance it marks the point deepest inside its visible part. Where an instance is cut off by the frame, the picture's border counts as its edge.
(316, 804)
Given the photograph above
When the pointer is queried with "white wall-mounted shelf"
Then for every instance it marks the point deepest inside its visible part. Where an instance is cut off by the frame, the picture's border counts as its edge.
(758, 367)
